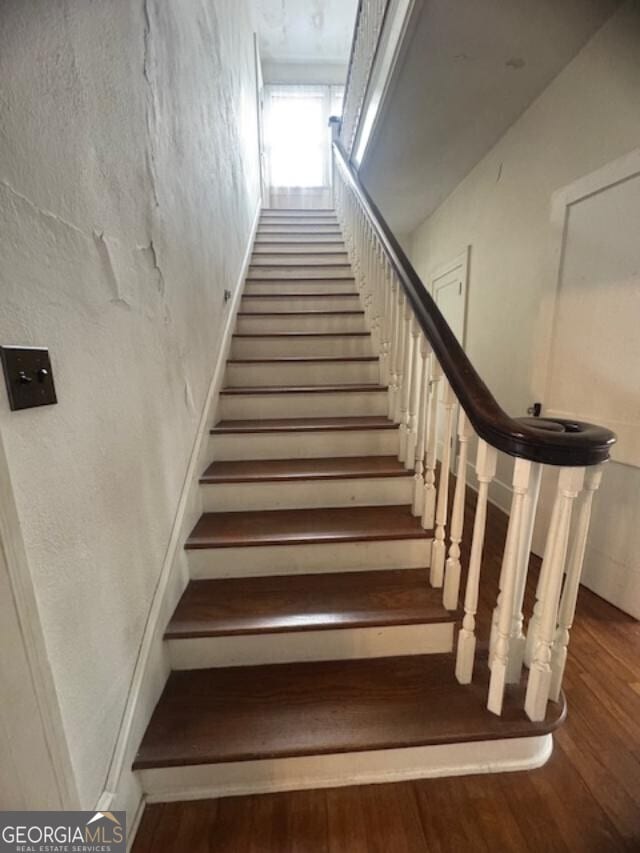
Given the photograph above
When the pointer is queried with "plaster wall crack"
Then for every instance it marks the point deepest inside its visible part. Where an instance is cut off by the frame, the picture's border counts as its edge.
(47, 214)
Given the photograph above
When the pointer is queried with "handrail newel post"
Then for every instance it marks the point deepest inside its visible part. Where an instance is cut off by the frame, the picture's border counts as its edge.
(570, 483)
(569, 598)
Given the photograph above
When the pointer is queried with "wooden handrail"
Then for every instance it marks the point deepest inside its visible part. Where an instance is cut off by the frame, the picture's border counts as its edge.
(553, 441)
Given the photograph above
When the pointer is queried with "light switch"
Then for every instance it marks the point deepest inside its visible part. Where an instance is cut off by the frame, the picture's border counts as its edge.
(27, 372)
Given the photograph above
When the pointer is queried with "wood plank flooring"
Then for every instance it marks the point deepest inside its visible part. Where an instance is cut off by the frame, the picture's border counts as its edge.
(586, 799)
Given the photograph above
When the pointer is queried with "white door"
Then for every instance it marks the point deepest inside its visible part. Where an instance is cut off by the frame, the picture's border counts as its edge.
(448, 286)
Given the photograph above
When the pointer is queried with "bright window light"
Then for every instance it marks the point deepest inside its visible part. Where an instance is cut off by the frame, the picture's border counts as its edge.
(297, 134)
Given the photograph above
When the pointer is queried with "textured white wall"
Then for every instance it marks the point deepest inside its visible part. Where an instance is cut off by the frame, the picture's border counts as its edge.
(128, 184)
(586, 118)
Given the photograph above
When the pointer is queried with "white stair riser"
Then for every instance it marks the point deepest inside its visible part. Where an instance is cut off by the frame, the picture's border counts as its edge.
(270, 324)
(205, 781)
(336, 644)
(279, 272)
(308, 405)
(294, 248)
(258, 561)
(285, 232)
(307, 494)
(304, 445)
(267, 288)
(290, 302)
(308, 260)
(296, 221)
(292, 237)
(304, 345)
(303, 373)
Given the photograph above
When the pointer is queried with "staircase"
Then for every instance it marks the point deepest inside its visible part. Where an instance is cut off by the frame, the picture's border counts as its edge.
(310, 647)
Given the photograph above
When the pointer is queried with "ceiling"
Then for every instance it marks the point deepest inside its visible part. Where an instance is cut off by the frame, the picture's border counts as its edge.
(305, 31)
(470, 70)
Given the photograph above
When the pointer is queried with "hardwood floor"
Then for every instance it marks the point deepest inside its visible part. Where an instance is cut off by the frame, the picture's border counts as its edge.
(586, 798)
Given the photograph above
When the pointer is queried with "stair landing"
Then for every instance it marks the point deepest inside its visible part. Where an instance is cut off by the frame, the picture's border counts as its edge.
(266, 712)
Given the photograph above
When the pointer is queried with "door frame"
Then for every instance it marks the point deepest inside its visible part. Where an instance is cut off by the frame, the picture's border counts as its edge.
(616, 172)
(29, 662)
(461, 261)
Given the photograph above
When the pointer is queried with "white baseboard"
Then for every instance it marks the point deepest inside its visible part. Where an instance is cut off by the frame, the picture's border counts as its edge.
(122, 789)
(241, 778)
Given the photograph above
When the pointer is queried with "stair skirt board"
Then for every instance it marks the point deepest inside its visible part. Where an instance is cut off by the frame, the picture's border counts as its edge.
(304, 345)
(267, 303)
(302, 373)
(338, 322)
(203, 781)
(288, 647)
(303, 405)
(261, 560)
(310, 493)
(303, 445)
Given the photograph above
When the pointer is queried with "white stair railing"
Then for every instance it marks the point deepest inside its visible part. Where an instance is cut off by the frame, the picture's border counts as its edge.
(433, 392)
(366, 38)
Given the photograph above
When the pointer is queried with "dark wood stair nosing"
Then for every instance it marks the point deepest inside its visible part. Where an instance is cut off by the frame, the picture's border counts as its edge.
(302, 335)
(317, 526)
(276, 711)
(305, 469)
(270, 605)
(303, 359)
(320, 295)
(257, 390)
(348, 424)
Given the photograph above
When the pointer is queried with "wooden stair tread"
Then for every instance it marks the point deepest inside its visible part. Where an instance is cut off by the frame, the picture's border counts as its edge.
(300, 389)
(317, 312)
(322, 707)
(298, 279)
(294, 274)
(266, 605)
(302, 359)
(276, 470)
(305, 526)
(363, 422)
(311, 295)
(302, 335)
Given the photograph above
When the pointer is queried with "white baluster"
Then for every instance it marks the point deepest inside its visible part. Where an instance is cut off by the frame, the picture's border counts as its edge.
(572, 581)
(453, 567)
(421, 440)
(485, 470)
(439, 550)
(397, 352)
(385, 373)
(392, 344)
(570, 482)
(414, 388)
(431, 442)
(405, 380)
(517, 640)
(509, 574)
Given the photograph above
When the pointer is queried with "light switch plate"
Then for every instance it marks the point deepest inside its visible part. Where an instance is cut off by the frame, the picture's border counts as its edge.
(27, 372)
